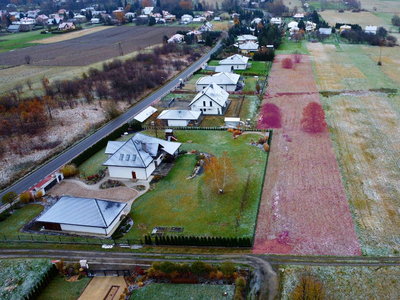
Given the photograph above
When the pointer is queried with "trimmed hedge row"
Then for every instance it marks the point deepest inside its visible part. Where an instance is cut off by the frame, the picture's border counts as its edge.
(35, 292)
(198, 241)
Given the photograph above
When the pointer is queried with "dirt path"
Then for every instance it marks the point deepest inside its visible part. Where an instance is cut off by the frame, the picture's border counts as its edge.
(304, 208)
(121, 194)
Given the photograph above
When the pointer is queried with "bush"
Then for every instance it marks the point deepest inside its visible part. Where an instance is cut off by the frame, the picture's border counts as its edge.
(69, 170)
(240, 282)
(227, 268)
(287, 63)
(9, 197)
(167, 267)
(25, 197)
(4, 215)
(198, 267)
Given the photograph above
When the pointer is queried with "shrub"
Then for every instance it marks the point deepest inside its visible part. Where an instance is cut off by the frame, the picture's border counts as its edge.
(167, 267)
(25, 197)
(266, 147)
(4, 215)
(287, 63)
(198, 267)
(156, 265)
(227, 268)
(69, 170)
(9, 197)
(240, 282)
(261, 141)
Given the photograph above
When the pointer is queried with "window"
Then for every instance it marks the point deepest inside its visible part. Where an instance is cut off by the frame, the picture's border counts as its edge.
(121, 157)
(211, 103)
(127, 157)
(133, 157)
(204, 103)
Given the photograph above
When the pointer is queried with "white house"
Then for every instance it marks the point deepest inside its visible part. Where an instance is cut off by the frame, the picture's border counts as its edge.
(344, 27)
(325, 31)
(207, 26)
(176, 38)
(371, 29)
(298, 16)
(66, 26)
(147, 10)
(186, 19)
(256, 21)
(138, 157)
(95, 20)
(212, 100)
(236, 62)
(180, 117)
(246, 38)
(276, 21)
(248, 47)
(292, 24)
(225, 80)
(83, 215)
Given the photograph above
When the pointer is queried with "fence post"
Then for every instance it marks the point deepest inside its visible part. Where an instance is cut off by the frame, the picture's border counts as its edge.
(45, 237)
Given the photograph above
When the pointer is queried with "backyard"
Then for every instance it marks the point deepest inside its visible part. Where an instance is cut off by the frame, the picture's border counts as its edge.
(61, 289)
(161, 291)
(175, 201)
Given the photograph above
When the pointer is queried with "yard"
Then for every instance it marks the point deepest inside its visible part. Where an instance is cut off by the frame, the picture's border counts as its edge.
(259, 68)
(346, 282)
(362, 111)
(177, 201)
(13, 41)
(61, 289)
(18, 219)
(164, 291)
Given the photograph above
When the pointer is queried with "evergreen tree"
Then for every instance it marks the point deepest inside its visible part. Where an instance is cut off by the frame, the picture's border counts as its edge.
(157, 242)
(70, 14)
(208, 40)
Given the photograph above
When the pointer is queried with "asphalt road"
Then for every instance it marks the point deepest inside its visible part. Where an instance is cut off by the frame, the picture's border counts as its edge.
(61, 160)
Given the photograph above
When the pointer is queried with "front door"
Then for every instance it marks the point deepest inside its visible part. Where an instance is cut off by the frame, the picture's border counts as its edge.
(133, 175)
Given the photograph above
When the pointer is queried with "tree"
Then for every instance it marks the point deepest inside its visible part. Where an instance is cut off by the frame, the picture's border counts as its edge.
(396, 20)
(271, 116)
(9, 197)
(313, 118)
(152, 21)
(208, 40)
(315, 17)
(219, 172)
(287, 63)
(308, 288)
(301, 25)
(25, 197)
(381, 32)
(228, 268)
(198, 267)
(70, 14)
(27, 59)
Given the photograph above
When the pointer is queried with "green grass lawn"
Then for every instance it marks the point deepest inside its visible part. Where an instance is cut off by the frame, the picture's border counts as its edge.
(19, 218)
(20, 40)
(288, 47)
(191, 204)
(250, 85)
(249, 108)
(165, 291)
(213, 63)
(61, 289)
(259, 68)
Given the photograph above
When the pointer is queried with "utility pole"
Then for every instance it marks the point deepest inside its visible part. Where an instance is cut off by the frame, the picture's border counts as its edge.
(121, 53)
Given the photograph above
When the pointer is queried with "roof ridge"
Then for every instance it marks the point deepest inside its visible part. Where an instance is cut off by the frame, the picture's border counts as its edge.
(101, 214)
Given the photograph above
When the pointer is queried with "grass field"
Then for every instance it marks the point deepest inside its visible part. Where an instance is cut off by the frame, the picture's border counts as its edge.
(19, 218)
(288, 47)
(250, 85)
(363, 117)
(61, 289)
(387, 6)
(361, 18)
(346, 282)
(163, 291)
(177, 201)
(257, 67)
(13, 41)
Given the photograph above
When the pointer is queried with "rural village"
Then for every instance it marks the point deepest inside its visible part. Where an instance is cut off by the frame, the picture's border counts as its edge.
(185, 149)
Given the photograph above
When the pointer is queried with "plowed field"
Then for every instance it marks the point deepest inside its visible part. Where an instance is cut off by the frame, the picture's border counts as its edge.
(90, 48)
(304, 208)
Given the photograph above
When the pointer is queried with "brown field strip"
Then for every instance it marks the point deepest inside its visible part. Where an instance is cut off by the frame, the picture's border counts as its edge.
(55, 38)
(304, 208)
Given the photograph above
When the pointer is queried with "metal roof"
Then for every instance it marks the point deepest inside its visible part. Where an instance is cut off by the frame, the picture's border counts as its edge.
(113, 146)
(236, 59)
(220, 78)
(214, 92)
(83, 212)
(179, 115)
(144, 114)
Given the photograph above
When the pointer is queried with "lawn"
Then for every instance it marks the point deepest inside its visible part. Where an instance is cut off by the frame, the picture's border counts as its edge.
(289, 47)
(259, 68)
(61, 289)
(250, 85)
(249, 108)
(20, 276)
(19, 40)
(346, 282)
(19, 218)
(165, 291)
(177, 202)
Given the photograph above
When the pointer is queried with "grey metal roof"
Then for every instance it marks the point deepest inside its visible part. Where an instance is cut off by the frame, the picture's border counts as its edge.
(220, 78)
(214, 92)
(83, 212)
(139, 150)
(113, 146)
(179, 115)
(235, 59)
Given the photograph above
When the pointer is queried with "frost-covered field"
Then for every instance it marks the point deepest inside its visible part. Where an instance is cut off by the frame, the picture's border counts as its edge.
(363, 116)
(18, 276)
(346, 282)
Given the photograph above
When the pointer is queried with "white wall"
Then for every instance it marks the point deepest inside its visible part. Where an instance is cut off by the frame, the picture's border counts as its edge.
(114, 223)
(76, 228)
(206, 109)
(226, 87)
(238, 67)
(178, 122)
(123, 172)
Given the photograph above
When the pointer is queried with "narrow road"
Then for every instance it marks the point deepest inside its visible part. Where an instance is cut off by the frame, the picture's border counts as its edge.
(35, 177)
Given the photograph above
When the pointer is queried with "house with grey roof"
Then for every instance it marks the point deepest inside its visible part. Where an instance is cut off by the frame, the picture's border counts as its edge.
(248, 47)
(227, 81)
(235, 62)
(212, 100)
(246, 38)
(83, 215)
(180, 117)
(138, 157)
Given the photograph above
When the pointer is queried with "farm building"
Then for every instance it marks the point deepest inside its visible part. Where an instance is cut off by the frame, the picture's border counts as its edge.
(371, 29)
(83, 215)
(180, 117)
(248, 47)
(235, 62)
(138, 157)
(246, 38)
(227, 81)
(212, 100)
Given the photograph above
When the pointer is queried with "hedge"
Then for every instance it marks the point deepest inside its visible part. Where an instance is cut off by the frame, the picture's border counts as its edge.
(198, 241)
(37, 289)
